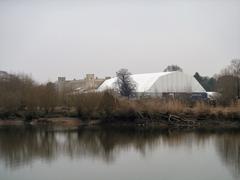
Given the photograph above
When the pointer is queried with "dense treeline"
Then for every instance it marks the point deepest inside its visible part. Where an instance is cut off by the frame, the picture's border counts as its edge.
(22, 97)
(227, 83)
(209, 83)
(20, 94)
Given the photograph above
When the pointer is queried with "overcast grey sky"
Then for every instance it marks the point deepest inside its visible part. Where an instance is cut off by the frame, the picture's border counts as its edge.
(51, 38)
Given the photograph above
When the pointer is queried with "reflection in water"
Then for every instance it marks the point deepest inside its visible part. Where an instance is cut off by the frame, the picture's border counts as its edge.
(228, 147)
(23, 145)
(19, 146)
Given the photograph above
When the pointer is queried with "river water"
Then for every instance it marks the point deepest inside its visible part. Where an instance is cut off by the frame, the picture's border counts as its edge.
(49, 153)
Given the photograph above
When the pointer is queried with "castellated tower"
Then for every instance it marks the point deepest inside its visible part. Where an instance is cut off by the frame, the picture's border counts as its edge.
(89, 83)
(61, 83)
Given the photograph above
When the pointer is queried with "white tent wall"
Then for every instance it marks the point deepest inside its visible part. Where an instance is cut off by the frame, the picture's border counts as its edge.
(107, 84)
(155, 84)
(176, 82)
(145, 81)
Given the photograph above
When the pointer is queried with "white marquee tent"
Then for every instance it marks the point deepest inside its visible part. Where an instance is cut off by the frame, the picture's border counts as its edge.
(158, 83)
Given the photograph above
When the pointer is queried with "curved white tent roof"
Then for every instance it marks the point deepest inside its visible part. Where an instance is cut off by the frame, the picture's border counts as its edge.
(162, 82)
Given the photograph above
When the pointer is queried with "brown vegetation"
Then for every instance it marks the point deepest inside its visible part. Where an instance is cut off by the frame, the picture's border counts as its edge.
(228, 83)
(22, 98)
(106, 106)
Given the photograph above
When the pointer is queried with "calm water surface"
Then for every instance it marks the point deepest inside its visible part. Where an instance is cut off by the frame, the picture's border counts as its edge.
(28, 153)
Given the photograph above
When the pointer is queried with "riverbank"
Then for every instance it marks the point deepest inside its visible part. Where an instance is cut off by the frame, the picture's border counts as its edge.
(164, 121)
(107, 109)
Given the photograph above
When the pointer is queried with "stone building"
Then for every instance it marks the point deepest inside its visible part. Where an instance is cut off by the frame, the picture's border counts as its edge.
(88, 84)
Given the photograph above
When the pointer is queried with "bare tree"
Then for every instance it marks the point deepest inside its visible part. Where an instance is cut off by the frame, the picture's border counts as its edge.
(173, 68)
(47, 96)
(235, 68)
(227, 87)
(228, 82)
(125, 84)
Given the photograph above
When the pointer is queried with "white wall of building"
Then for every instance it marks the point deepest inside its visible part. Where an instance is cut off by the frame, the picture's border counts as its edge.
(158, 83)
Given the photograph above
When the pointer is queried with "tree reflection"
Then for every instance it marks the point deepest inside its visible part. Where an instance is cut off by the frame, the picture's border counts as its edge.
(228, 147)
(18, 145)
(23, 145)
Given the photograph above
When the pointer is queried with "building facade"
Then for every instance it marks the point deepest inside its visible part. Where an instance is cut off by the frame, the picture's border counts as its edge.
(88, 84)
